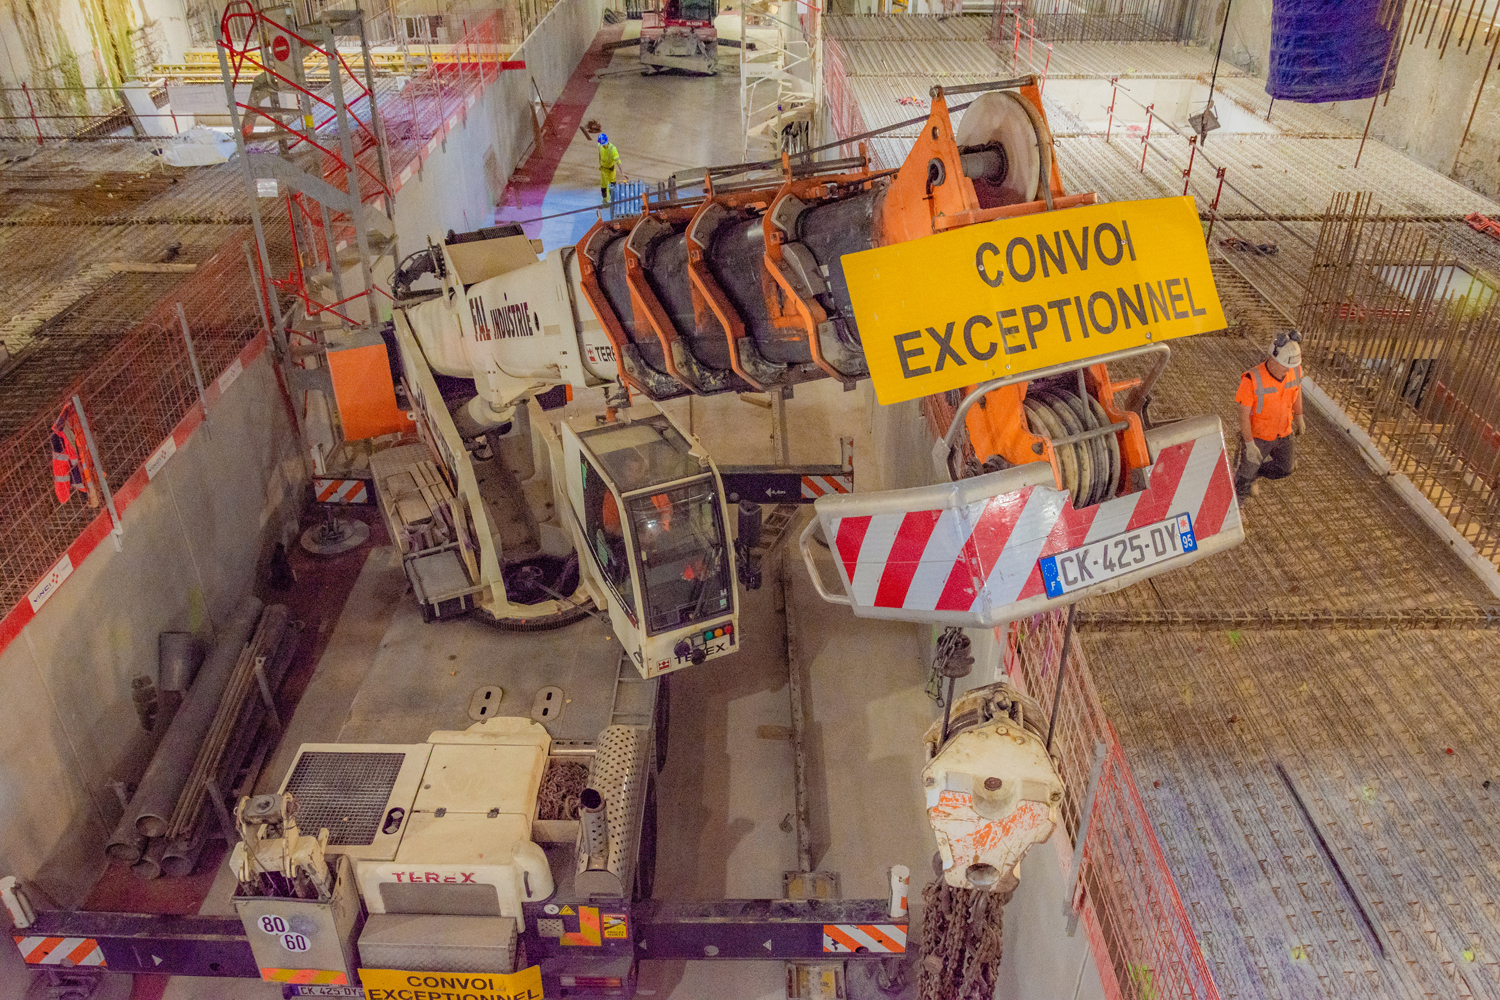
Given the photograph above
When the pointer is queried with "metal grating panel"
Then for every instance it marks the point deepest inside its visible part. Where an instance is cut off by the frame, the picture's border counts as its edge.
(345, 792)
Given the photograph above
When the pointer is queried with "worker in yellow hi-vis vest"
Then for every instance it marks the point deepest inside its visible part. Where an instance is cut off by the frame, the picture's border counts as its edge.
(609, 165)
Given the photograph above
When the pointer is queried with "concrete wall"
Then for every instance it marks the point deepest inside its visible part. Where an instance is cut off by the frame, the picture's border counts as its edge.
(73, 44)
(1041, 962)
(1428, 107)
(460, 185)
(191, 546)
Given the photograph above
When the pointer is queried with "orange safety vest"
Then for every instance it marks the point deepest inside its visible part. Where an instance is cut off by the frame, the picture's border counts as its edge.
(1272, 403)
(610, 514)
(71, 470)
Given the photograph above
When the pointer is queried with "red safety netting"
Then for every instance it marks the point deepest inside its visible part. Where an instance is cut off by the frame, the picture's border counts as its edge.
(1138, 930)
(447, 87)
(134, 394)
(843, 110)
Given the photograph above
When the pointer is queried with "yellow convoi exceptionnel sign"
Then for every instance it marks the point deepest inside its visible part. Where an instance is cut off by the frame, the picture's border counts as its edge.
(1016, 295)
(393, 984)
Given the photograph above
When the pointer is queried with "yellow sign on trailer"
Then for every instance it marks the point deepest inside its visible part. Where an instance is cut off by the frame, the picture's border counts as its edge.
(1017, 295)
(394, 984)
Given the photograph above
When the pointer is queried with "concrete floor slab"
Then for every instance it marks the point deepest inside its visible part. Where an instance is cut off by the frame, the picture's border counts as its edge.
(357, 634)
(660, 124)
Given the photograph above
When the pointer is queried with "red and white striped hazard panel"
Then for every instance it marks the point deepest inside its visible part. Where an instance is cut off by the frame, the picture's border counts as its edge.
(341, 490)
(64, 951)
(819, 486)
(849, 938)
(977, 561)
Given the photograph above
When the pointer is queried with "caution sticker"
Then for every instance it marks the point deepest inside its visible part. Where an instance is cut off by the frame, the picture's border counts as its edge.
(1017, 295)
(615, 926)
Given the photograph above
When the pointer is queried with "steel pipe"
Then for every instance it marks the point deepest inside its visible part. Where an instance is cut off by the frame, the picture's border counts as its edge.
(180, 857)
(148, 865)
(178, 658)
(242, 684)
(125, 845)
(160, 786)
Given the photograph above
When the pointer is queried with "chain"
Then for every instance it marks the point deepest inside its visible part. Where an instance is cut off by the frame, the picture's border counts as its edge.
(962, 939)
(561, 787)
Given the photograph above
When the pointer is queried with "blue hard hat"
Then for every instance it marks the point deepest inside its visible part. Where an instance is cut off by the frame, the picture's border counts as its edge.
(603, 139)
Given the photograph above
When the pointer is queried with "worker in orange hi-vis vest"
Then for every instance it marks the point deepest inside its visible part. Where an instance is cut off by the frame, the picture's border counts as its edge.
(1270, 401)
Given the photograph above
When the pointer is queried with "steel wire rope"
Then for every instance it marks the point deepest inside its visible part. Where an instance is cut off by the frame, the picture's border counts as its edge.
(763, 164)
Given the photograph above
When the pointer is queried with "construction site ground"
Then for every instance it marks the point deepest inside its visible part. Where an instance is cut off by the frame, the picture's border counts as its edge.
(1378, 710)
(1383, 728)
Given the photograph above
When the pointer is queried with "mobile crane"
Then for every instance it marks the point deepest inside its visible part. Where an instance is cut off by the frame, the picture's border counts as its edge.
(1063, 489)
(680, 34)
(757, 286)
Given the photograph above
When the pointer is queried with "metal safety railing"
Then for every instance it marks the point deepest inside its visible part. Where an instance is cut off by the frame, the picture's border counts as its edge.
(44, 114)
(627, 198)
(1022, 40)
(1268, 249)
(1122, 890)
(1116, 21)
(450, 74)
(430, 101)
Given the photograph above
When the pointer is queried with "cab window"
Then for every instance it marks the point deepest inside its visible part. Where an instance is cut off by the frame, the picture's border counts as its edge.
(642, 453)
(680, 551)
(604, 531)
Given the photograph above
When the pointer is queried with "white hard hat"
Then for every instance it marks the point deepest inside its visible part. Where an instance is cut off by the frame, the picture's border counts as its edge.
(1287, 348)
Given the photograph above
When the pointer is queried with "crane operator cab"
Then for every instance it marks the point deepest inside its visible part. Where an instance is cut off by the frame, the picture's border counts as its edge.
(650, 508)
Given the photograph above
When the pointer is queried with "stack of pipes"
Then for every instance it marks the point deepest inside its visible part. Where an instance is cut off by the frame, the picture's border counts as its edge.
(235, 723)
(209, 738)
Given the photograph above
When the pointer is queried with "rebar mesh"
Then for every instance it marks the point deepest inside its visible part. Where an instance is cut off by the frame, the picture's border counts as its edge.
(1083, 21)
(1411, 357)
(1385, 735)
(121, 350)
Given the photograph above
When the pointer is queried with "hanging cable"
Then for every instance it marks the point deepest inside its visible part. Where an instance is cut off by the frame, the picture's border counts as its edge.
(1214, 80)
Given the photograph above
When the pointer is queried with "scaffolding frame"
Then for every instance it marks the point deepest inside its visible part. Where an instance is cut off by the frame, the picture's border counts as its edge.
(320, 150)
(774, 97)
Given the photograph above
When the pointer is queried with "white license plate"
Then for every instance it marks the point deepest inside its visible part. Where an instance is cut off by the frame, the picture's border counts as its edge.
(1117, 555)
(323, 991)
